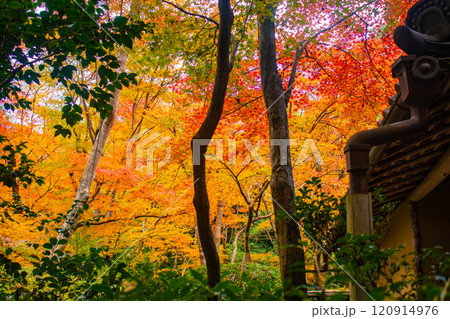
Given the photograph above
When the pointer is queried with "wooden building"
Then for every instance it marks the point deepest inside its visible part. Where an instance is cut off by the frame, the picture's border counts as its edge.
(414, 177)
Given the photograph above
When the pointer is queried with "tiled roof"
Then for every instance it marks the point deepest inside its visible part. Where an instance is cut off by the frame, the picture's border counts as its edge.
(399, 167)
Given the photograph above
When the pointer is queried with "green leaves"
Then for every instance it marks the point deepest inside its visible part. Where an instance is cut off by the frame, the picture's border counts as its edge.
(125, 40)
(62, 278)
(67, 71)
(62, 242)
(72, 112)
(58, 37)
(367, 263)
(30, 76)
(16, 169)
(64, 132)
(15, 5)
(120, 21)
(321, 214)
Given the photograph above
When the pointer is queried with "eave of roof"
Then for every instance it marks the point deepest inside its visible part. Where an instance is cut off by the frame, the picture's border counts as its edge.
(399, 167)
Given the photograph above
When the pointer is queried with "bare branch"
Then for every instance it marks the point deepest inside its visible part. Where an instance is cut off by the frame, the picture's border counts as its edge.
(324, 112)
(158, 216)
(301, 46)
(191, 13)
(368, 52)
(262, 217)
(261, 192)
(242, 105)
(237, 42)
(237, 181)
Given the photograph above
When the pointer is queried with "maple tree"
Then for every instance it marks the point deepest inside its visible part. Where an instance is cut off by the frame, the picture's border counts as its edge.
(329, 75)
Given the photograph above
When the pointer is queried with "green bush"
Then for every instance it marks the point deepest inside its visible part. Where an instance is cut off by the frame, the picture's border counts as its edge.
(170, 285)
(92, 276)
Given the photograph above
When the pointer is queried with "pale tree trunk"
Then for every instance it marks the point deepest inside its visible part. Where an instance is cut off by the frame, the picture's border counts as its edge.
(218, 224)
(175, 263)
(200, 249)
(317, 274)
(82, 195)
(247, 256)
(225, 236)
(272, 223)
(235, 245)
(282, 182)
(105, 126)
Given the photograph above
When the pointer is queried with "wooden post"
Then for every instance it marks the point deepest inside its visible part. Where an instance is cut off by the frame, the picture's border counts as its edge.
(359, 214)
(359, 221)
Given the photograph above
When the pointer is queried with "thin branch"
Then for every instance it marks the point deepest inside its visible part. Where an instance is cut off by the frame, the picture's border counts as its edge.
(50, 187)
(17, 69)
(237, 182)
(146, 106)
(97, 191)
(97, 223)
(236, 43)
(125, 219)
(320, 116)
(320, 66)
(157, 216)
(260, 194)
(368, 53)
(242, 105)
(191, 13)
(262, 217)
(301, 46)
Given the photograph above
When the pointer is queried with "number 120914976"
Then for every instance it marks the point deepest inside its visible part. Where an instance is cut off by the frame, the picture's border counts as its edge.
(405, 310)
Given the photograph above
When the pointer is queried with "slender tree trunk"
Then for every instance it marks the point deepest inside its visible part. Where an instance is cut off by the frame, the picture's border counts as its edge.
(200, 249)
(82, 195)
(105, 126)
(282, 182)
(256, 202)
(272, 223)
(235, 245)
(270, 237)
(225, 239)
(205, 133)
(247, 256)
(175, 262)
(218, 224)
(317, 274)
